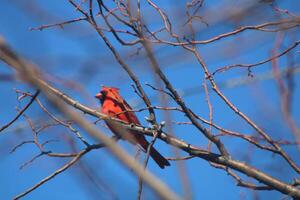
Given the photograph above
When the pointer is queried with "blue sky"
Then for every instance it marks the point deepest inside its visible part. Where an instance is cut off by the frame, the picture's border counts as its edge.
(77, 54)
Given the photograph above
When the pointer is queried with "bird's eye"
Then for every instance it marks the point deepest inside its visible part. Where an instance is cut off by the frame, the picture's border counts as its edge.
(103, 92)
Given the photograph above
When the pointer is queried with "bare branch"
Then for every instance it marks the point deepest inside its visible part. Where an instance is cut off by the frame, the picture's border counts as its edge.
(21, 111)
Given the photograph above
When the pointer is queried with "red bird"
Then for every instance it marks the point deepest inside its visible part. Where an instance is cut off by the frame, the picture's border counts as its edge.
(115, 106)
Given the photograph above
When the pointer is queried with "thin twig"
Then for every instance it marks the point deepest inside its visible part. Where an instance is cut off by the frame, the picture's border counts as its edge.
(21, 111)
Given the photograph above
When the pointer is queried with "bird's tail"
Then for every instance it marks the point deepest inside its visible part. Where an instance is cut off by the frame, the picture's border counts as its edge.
(155, 155)
(158, 158)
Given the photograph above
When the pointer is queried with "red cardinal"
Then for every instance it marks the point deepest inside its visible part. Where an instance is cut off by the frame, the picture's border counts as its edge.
(115, 106)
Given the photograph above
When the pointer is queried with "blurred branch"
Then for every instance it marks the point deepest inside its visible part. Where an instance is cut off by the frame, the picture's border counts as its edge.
(284, 91)
(29, 74)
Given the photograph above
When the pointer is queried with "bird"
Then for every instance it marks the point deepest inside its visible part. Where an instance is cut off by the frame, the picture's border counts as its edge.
(113, 105)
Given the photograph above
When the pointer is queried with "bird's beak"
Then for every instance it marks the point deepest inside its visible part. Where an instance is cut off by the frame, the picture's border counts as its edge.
(98, 96)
